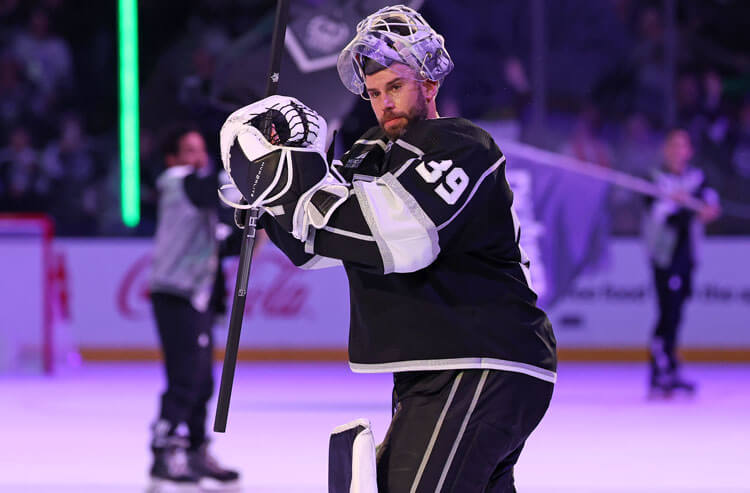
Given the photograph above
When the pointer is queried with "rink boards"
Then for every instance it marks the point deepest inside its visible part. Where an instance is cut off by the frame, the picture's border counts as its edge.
(101, 301)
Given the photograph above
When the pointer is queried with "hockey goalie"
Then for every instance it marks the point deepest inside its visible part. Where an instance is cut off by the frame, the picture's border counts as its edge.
(420, 214)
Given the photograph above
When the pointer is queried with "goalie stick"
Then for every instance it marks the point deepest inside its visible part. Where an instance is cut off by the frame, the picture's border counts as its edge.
(248, 240)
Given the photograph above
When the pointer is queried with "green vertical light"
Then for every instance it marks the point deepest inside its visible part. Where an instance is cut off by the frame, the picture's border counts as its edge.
(127, 21)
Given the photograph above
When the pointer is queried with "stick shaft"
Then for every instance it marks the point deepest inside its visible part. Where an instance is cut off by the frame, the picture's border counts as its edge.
(277, 46)
(248, 241)
(235, 322)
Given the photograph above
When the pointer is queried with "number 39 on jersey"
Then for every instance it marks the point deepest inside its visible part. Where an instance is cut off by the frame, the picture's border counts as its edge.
(452, 180)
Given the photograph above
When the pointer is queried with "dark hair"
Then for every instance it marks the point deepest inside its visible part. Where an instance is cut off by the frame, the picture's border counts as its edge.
(370, 66)
(172, 135)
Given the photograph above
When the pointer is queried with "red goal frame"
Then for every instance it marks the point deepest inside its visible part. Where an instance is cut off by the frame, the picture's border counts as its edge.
(42, 225)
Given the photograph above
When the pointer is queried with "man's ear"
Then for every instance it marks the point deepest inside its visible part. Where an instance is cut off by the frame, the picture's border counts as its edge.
(430, 89)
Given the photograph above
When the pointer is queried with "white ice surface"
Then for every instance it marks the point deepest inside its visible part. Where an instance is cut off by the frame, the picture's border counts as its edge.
(86, 430)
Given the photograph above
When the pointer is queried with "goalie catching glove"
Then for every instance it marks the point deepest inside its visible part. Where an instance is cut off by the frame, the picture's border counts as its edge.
(274, 153)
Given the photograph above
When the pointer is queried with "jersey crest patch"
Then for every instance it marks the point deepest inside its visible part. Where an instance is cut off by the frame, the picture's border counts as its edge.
(355, 161)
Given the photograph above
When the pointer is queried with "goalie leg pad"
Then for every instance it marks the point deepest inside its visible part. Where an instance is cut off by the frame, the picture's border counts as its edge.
(351, 459)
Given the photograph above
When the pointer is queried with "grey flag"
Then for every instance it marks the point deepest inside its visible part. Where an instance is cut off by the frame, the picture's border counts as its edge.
(564, 222)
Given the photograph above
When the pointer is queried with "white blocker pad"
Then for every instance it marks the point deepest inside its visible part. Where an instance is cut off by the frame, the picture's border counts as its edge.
(351, 459)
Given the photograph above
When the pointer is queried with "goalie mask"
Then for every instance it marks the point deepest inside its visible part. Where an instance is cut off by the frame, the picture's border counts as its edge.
(273, 150)
(396, 34)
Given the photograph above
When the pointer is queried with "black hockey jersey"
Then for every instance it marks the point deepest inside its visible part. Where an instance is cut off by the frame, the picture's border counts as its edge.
(430, 244)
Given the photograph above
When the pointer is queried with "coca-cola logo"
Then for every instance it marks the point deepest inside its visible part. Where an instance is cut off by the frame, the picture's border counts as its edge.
(132, 292)
(276, 288)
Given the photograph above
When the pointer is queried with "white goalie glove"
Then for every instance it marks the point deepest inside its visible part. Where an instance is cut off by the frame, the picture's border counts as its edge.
(274, 153)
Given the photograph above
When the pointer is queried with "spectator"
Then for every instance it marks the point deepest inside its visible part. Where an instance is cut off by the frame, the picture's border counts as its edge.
(585, 143)
(15, 96)
(713, 107)
(701, 112)
(741, 152)
(180, 84)
(637, 149)
(648, 56)
(688, 101)
(638, 146)
(195, 86)
(71, 162)
(23, 185)
(194, 89)
(713, 126)
(47, 58)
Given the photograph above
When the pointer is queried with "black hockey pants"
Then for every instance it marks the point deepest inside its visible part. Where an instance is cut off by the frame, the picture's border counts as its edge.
(187, 346)
(459, 430)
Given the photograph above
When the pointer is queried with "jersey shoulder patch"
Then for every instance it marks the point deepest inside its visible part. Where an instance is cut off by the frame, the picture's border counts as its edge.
(365, 154)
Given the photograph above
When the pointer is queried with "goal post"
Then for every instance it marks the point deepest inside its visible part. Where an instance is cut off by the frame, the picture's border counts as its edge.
(27, 335)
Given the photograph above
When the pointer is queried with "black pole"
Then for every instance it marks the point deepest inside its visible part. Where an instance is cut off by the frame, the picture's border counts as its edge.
(670, 62)
(248, 241)
(538, 74)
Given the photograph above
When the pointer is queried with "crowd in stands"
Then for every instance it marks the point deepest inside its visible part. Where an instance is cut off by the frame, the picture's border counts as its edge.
(49, 162)
(605, 74)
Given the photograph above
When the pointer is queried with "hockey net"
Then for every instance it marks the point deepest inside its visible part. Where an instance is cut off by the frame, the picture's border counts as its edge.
(26, 338)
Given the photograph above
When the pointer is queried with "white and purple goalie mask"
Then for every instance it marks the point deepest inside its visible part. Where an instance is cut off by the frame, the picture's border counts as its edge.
(271, 149)
(395, 34)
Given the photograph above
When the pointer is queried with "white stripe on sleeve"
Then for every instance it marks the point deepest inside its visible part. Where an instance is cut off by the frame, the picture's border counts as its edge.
(321, 262)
